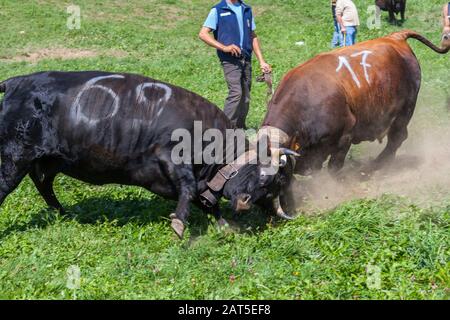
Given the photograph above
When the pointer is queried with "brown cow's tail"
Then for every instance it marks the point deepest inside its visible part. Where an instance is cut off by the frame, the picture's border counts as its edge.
(407, 34)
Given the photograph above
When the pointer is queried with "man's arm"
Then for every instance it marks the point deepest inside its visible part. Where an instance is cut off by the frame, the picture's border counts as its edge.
(265, 67)
(341, 23)
(446, 20)
(339, 14)
(205, 36)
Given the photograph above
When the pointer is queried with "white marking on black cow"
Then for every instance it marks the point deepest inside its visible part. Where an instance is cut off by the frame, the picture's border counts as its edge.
(141, 98)
(142, 101)
(77, 111)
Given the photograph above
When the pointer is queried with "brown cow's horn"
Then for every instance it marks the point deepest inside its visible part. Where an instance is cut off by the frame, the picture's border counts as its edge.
(279, 210)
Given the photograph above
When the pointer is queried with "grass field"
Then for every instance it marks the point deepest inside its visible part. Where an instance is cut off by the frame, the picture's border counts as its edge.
(384, 245)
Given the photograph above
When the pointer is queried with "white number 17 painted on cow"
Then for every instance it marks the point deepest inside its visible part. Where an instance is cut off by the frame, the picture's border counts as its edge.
(343, 62)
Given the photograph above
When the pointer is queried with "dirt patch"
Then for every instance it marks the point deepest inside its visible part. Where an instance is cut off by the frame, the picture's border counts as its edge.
(60, 53)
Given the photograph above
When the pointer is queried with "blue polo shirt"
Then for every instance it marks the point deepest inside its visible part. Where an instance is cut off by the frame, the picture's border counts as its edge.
(212, 19)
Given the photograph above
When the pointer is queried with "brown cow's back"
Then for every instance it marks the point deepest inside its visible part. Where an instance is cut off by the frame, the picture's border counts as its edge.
(370, 81)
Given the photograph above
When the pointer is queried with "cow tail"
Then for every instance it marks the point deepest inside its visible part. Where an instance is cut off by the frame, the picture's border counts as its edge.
(412, 34)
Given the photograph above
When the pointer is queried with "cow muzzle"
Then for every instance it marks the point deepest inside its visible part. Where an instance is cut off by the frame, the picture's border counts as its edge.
(243, 202)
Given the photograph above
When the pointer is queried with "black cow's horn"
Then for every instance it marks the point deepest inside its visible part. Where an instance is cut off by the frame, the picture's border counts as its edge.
(279, 211)
(289, 152)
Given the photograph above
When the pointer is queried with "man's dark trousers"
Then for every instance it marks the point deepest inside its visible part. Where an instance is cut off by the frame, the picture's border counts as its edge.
(238, 74)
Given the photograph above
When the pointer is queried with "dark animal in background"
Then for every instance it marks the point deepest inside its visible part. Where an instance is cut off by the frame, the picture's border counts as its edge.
(116, 128)
(347, 96)
(394, 7)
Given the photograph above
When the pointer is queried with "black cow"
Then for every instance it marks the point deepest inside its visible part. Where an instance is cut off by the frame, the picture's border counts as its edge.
(393, 7)
(117, 128)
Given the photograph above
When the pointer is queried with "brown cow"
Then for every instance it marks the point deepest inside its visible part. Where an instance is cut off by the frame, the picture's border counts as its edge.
(353, 94)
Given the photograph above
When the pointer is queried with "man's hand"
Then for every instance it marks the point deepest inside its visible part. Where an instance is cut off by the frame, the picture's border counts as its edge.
(265, 67)
(343, 30)
(206, 36)
(233, 49)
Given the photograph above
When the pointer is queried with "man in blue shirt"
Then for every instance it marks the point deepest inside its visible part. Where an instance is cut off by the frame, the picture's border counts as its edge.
(233, 26)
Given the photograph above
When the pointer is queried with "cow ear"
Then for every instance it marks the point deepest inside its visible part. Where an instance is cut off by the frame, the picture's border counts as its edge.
(294, 144)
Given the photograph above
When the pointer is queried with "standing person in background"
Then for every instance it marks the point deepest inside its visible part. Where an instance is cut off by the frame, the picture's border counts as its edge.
(347, 16)
(446, 18)
(446, 36)
(337, 36)
(235, 40)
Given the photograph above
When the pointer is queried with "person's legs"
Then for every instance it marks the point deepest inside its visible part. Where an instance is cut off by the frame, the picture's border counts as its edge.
(355, 29)
(350, 38)
(233, 75)
(246, 88)
(337, 36)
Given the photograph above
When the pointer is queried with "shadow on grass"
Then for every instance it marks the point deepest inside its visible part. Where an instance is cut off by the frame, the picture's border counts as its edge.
(138, 211)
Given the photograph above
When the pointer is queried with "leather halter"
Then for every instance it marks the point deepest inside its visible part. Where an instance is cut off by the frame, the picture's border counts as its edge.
(223, 175)
(231, 170)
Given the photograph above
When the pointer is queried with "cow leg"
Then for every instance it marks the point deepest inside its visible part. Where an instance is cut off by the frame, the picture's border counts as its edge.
(337, 159)
(221, 222)
(11, 174)
(185, 183)
(339, 152)
(312, 160)
(45, 188)
(397, 134)
(392, 19)
(214, 211)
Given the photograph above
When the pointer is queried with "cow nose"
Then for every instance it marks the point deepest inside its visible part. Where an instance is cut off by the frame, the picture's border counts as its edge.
(446, 37)
(243, 202)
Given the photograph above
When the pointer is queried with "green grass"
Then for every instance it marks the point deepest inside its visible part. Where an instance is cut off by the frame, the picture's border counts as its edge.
(120, 237)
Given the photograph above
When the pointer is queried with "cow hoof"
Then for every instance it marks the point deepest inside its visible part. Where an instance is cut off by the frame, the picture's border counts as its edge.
(222, 222)
(178, 226)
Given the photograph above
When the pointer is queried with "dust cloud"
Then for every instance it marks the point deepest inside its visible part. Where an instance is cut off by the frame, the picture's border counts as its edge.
(420, 171)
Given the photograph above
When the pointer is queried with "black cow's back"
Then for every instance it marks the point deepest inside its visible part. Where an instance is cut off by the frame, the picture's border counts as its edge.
(108, 122)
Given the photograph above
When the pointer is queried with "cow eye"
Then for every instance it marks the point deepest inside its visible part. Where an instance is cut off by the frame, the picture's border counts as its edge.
(263, 174)
(263, 177)
(283, 161)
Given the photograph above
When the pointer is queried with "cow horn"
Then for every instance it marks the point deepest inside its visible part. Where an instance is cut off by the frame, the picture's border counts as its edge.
(277, 152)
(279, 211)
(289, 152)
